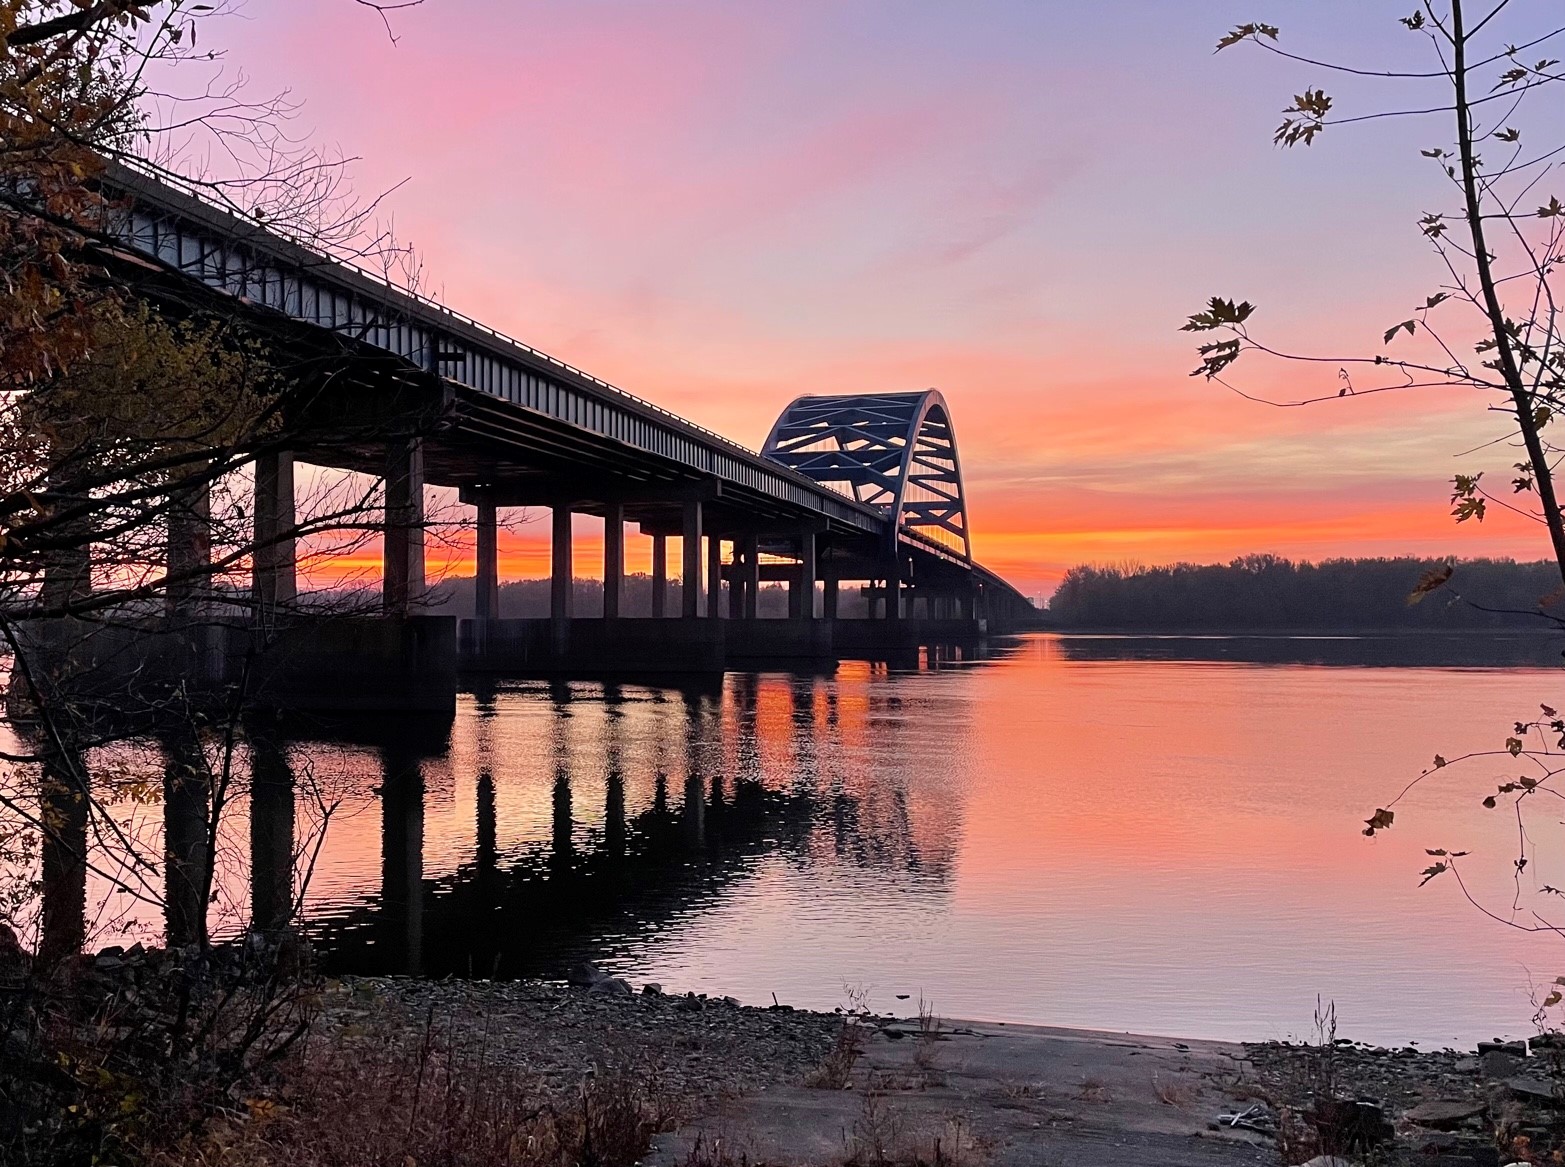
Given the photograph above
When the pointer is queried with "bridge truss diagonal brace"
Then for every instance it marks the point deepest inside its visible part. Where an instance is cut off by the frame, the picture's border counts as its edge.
(895, 451)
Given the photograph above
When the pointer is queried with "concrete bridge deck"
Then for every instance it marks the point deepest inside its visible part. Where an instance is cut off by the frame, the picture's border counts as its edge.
(858, 490)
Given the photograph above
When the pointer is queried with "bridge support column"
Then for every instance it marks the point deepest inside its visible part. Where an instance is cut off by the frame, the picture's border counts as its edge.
(808, 567)
(613, 558)
(189, 549)
(690, 560)
(752, 575)
(486, 582)
(894, 590)
(560, 577)
(659, 576)
(714, 577)
(402, 549)
(67, 573)
(736, 583)
(829, 598)
(273, 572)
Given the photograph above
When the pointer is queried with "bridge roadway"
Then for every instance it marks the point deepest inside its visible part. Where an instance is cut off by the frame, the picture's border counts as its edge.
(431, 397)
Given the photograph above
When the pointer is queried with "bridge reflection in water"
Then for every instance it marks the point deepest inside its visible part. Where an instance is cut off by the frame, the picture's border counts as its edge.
(555, 822)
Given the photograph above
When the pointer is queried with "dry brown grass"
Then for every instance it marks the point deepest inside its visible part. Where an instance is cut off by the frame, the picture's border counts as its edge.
(366, 1103)
(1173, 1093)
(836, 1070)
(930, 1034)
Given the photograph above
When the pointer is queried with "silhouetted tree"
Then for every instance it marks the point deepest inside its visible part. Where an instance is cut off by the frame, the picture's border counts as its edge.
(1492, 327)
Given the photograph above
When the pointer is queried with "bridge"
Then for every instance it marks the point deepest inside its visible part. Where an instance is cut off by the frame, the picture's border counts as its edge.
(860, 489)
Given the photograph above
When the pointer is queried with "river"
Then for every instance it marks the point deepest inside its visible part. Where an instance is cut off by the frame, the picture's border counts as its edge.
(1149, 835)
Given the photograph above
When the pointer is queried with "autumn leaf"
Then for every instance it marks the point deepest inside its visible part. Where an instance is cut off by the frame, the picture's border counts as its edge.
(1379, 821)
(1245, 32)
(1432, 871)
(1432, 580)
(1304, 119)
(1514, 746)
(1219, 313)
(1396, 328)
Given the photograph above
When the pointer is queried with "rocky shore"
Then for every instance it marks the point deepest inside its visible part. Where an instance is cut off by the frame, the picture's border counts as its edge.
(695, 1049)
(708, 1082)
(772, 1084)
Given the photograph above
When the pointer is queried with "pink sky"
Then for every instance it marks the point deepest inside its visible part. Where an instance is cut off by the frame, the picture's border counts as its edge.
(719, 206)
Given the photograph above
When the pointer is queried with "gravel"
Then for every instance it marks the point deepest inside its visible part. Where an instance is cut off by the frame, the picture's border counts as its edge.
(692, 1047)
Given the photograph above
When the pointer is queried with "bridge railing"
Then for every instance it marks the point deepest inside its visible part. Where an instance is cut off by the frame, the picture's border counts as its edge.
(146, 182)
(192, 191)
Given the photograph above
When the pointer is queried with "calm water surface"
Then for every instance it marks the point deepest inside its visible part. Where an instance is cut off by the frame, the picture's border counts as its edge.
(1086, 832)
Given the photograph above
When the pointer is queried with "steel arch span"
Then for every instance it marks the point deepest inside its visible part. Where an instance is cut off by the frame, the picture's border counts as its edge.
(895, 451)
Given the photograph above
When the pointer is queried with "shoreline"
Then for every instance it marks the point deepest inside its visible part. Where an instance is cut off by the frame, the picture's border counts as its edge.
(773, 1084)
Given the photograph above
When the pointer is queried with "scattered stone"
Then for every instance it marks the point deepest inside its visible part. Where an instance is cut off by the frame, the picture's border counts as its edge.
(1535, 1090)
(1355, 1123)
(553, 1031)
(1497, 1064)
(1330, 1161)
(651, 989)
(1500, 1045)
(612, 986)
(584, 974)
(1445, 1113)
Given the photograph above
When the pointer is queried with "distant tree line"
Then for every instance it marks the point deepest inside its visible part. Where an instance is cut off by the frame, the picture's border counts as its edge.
(1269, 593)
(530, 598)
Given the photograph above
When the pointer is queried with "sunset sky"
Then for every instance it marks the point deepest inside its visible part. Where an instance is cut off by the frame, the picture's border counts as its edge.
(721, 205)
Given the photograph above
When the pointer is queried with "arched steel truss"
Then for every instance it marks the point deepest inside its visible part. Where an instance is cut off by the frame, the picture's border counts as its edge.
(896, 451)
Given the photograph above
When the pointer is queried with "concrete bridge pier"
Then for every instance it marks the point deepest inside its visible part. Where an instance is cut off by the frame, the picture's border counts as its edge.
(613, 557)
(274, 583)
(659, 576)
(402, 547)
(690, 561)
(400, 662)
(560, 580)
(189, 555)
(750, 576)
(67, 572)
(809, 569)
(197, 650)
(714, 576)
(486, 555)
